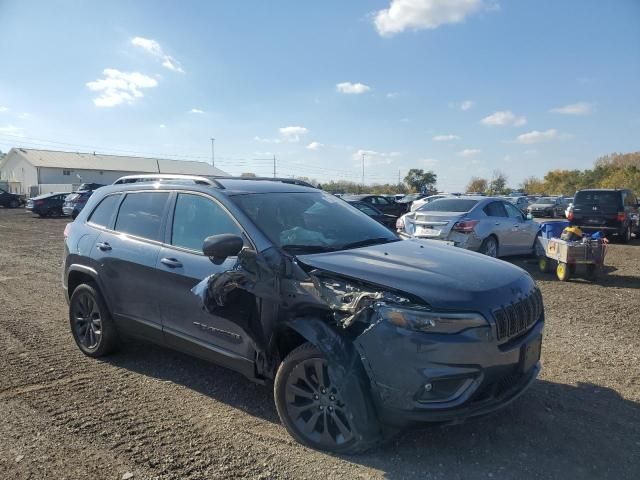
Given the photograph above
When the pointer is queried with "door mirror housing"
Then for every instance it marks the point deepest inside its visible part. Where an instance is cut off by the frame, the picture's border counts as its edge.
(529, 216)
(219, 247)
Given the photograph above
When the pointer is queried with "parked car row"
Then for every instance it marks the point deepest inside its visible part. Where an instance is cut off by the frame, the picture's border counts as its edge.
(57, 204)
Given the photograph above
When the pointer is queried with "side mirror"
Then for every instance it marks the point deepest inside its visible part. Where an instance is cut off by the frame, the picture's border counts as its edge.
(529, 216)
(219, 247)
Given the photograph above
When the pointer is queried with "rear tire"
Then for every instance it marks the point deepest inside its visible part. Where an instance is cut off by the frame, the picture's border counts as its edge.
(625, 237)
(91, 324)
(544, 264)
(313, 408)
(490, 247)
(55, 212)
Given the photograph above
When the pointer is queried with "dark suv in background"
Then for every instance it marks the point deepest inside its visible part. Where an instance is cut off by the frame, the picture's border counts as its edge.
(612, 211)
(356, 328)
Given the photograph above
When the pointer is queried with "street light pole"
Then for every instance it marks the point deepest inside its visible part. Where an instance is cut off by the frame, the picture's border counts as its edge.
(213, 152)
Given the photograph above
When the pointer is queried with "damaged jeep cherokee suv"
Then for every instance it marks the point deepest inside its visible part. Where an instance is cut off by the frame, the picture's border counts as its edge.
(357, 329)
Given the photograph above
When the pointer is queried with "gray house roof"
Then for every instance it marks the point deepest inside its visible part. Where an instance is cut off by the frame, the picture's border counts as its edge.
(99, 161)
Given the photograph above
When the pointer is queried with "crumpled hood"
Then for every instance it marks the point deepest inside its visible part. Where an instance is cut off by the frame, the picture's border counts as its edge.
(442, 275)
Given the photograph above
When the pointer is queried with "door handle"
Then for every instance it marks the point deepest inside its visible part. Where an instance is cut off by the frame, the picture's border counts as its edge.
(497, 223)
(104, 246)
(171, 262)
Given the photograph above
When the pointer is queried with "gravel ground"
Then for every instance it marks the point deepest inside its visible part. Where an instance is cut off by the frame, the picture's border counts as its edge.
(148, 412)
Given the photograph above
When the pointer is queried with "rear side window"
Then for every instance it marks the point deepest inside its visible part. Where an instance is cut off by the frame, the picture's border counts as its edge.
(196, 218)
(365, 209)
(597, 198)
(495, 209)
(104, 212)
(141, 214)
(512, 211)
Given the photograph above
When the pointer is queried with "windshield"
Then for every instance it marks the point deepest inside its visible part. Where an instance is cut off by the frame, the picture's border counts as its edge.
(312, 222)
(546, 200)
(449, 205)
(411, 197)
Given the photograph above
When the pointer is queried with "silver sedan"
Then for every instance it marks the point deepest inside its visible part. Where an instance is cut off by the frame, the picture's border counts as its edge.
(487, 225)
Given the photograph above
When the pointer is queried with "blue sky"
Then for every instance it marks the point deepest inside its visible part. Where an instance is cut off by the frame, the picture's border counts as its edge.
(462, 87)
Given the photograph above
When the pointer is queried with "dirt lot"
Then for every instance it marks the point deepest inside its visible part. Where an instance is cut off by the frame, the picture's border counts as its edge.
(154, 413)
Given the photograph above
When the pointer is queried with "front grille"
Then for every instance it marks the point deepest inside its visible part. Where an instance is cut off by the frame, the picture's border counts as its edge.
(516, 318)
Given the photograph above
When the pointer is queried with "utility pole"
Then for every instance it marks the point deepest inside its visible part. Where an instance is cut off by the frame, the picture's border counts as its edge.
(398, 176)
(363, 171)
(213, 152)
(274, 166)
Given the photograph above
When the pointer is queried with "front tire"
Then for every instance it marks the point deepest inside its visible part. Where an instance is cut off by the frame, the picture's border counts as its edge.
(314, 409)
(91, 324)
(563, 272)
(14, 203)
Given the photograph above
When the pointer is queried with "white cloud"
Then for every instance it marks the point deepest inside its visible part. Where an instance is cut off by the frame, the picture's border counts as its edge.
(3, 109)
(352, 88)
(445, 138)
(469, 152)
(162, 125)
(580, 108)
(154, 48)
(422, 14)
(392, 94)
(371, 157)
(266, 140)
(464, 105)
(314, 146)
(196, 110)
(12, 130)
(119, 87)
(292, 134)
(536, 136)
(504, 118)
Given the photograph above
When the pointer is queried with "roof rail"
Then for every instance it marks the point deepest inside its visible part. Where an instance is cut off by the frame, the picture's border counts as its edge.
(160, 177)
(290, 181)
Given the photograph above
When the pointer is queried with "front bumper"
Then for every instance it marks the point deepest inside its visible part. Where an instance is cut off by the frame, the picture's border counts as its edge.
(420, 377)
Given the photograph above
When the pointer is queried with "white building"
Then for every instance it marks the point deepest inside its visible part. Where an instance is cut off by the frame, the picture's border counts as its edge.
(33, 172)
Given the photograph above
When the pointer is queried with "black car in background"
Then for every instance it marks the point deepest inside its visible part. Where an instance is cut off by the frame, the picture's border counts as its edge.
(612, 211)
(10, 200)
(388, 221)
(47, 205)
(382, 203)
(75, 202)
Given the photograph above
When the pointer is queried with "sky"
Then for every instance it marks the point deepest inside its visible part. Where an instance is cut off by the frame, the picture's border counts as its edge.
(460, 87)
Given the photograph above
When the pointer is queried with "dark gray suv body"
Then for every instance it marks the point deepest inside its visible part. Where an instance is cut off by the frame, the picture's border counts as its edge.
(356, 328)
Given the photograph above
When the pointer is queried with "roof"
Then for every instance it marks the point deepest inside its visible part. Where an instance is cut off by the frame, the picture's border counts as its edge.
(240, 186)
(118, 163)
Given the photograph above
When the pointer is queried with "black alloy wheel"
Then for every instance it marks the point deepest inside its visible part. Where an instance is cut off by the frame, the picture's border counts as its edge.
(312, 406)
(315, 406)
(90, 322)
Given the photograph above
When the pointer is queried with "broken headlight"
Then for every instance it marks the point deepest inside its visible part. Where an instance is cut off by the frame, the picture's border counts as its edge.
(423, 320)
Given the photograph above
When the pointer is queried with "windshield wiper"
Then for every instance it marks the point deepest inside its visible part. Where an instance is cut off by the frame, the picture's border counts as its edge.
(308, 248)
(367, 242)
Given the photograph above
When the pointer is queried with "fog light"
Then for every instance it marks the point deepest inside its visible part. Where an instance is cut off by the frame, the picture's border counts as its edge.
(444, 390)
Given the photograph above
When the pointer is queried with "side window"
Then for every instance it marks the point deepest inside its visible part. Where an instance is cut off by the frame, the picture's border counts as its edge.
(495, 209)
(365, 209)
(512, 211)
(141, 214)
(381, 201)
(196, 218)
(105, 211)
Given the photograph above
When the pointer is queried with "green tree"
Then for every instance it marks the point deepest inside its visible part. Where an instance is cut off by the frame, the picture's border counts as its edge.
(421, 181)
(498, 183)
(248, 175)
(477, 185)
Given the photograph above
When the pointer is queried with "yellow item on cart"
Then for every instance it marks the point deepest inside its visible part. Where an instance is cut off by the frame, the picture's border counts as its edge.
(571, 234)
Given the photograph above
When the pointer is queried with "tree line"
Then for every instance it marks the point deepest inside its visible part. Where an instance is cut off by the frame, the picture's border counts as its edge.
(617, 170)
